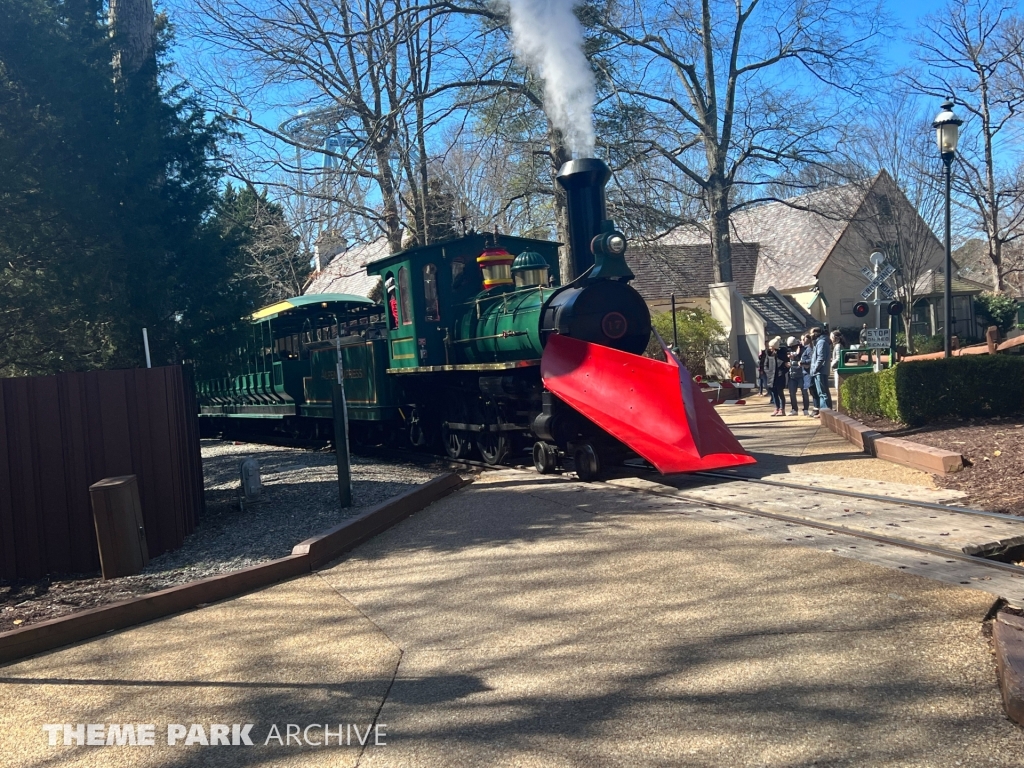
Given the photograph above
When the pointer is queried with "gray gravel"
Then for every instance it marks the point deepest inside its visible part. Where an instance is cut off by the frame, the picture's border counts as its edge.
(299, 499)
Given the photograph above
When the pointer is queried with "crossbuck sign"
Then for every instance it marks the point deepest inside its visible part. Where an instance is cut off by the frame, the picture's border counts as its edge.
(878, 282)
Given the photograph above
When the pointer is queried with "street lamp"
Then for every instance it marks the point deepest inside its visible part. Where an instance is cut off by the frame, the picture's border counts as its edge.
(947, 131)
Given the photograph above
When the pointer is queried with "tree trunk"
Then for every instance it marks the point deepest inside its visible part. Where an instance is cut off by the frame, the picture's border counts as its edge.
(908, 321)
(392, 221)
(721, 245)
(995, 253)
(560, 155)
(131, 25)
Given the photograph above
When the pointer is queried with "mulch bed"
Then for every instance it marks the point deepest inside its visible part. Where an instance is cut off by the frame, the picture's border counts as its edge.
(993, 451)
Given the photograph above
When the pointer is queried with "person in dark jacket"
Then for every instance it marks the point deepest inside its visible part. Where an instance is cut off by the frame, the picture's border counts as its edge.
(762, 383)
(796, 374)
(821, 363)
(776, 363)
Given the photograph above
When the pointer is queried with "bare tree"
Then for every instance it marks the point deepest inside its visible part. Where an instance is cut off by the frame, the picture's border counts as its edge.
(732, 95)
(973, 53)
(366, 85)
(896, 145)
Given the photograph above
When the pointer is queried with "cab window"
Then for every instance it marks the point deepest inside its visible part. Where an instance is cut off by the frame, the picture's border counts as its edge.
(430, 292)
(405, 295)
(392, 300)
(458, 268)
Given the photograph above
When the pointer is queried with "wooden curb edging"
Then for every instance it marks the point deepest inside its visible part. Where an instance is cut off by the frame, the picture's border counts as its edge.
(305, 558)
(894, 449)
(1008, 638)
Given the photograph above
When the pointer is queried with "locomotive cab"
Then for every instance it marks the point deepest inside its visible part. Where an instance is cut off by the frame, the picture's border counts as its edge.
(432, 292)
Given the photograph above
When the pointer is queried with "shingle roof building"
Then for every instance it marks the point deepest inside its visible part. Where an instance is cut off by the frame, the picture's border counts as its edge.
(346, 272)
(794, 238)
(662, 270)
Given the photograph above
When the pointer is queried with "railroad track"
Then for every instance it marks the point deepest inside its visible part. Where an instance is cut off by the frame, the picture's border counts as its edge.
(991, 528)
(847, 531)
(983, 536)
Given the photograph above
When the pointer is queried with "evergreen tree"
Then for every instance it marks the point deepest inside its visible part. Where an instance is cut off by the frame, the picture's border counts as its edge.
(107, 195)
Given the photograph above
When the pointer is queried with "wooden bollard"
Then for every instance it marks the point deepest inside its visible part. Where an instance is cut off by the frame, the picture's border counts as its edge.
(120, 533)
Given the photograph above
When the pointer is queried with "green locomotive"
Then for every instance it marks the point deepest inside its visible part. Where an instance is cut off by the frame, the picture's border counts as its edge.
(452, 355)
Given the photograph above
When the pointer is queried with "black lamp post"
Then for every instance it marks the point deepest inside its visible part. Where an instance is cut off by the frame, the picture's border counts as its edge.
(947, 132)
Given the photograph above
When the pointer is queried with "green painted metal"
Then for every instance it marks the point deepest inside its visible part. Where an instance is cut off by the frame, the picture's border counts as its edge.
(370, 393)
(529, 260)
(423, 339)
(502, 326)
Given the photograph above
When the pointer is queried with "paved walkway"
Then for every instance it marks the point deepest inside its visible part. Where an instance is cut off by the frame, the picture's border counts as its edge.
(528, 621)
(799, 445)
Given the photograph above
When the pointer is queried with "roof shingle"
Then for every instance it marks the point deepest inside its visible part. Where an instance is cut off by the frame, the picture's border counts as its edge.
(346, 273)
(794, 237)
(686, 270)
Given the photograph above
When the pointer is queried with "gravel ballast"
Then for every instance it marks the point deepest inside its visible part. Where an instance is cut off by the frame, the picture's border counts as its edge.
(299, 500)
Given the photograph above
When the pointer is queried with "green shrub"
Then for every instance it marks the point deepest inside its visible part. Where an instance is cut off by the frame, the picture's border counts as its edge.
(923, 345)
(920, 391)
(859, 395)
(997, 309)
(699, 334)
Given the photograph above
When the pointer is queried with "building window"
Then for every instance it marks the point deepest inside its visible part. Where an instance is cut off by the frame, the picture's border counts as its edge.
(405, 295)
(846, 306)
(884, 208)
(430, 292)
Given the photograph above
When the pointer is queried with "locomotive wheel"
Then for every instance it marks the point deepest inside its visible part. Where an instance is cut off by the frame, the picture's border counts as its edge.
(456, 445)
(493, 446)
(545, 457)
(587, 463)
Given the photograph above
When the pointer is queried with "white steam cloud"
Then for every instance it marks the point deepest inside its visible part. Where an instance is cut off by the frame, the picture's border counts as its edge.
(548, 38)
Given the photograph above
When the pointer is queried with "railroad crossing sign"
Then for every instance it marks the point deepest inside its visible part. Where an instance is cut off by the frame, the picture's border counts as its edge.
(878, 282)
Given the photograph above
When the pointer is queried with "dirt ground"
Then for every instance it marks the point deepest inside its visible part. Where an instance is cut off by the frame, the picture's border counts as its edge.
(993, 451)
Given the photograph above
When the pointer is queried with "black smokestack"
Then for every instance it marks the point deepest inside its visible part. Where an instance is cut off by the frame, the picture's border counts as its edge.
(583, 181)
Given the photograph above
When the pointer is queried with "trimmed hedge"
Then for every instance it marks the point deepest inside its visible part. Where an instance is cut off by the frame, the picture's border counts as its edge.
(920, 391)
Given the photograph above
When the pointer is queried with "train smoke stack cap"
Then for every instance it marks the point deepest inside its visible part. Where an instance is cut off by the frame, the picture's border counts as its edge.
(584, 181)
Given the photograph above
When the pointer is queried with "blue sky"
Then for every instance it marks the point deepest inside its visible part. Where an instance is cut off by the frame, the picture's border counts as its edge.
(907, 13)
(896, 49)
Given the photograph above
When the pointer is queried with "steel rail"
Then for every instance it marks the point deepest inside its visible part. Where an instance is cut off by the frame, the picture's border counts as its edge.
(868, 496)
(940, 551)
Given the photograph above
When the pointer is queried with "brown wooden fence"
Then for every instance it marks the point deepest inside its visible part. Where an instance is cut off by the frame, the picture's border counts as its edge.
(59, 434)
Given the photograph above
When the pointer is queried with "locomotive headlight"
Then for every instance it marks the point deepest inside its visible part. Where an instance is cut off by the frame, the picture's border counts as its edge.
(616, 243)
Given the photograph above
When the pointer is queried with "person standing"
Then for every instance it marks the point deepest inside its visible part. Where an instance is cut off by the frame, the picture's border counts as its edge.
(761, 378)
(821, 363)
(775, 364)
(836, 337)
(810, 393)
(796, 375)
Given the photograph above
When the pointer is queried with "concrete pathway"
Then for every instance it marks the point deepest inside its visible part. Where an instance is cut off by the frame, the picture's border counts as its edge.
(800, 445)
(528, 621)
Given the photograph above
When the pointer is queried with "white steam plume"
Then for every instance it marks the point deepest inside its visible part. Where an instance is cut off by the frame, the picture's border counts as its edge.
(548, 38)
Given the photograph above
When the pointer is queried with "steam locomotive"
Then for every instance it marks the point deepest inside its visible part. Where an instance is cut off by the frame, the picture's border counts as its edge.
(475, 348)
